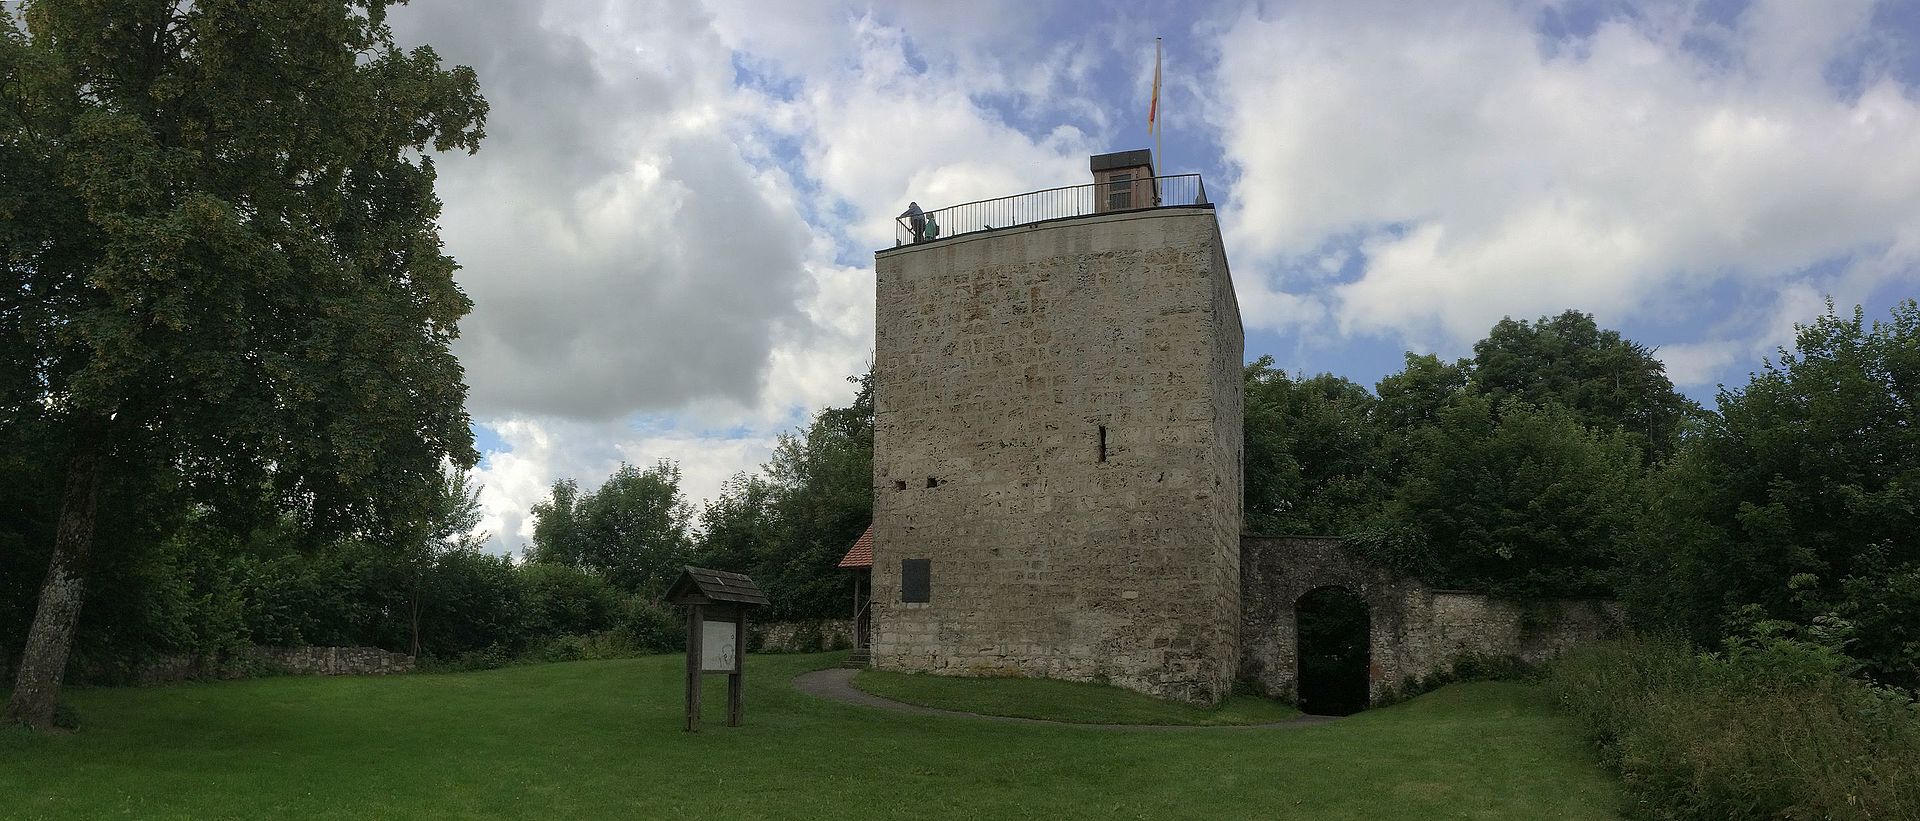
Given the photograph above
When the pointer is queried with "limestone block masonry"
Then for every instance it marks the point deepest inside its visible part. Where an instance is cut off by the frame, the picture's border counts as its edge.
(1058, 432)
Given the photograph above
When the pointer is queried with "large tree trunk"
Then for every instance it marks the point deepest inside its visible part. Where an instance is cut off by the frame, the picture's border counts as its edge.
(44, 664)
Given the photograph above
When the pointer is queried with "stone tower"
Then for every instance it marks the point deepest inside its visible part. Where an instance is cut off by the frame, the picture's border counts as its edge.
(1057, 447)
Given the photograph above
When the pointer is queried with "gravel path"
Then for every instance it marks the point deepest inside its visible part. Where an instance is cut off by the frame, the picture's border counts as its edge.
(836, 684)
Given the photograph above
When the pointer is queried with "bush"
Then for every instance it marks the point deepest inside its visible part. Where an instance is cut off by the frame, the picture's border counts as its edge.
(611, 644)
(1769, 728)
(487, 658)
(565, 601)
(652, 627)
(1465, 667)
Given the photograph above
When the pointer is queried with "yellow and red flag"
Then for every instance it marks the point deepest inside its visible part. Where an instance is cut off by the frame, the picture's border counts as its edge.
(1153, 107)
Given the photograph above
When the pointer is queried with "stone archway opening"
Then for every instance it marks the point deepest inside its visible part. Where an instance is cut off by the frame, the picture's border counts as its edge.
(1333, 634)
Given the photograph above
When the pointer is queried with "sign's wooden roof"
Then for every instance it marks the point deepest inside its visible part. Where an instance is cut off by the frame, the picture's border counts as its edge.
(715, 585)
(861, 554)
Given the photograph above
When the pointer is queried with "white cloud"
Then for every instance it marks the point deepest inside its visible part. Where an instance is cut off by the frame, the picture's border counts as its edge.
(1491, 173)
(672, 215)
(645, 235)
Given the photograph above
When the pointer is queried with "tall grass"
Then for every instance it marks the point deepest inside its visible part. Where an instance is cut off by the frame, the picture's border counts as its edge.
(1765, 730)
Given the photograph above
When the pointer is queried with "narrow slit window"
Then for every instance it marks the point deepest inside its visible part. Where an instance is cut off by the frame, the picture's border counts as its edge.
(1103, 443)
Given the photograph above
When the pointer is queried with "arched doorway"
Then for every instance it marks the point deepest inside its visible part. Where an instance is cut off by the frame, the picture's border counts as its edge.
(1332, 631)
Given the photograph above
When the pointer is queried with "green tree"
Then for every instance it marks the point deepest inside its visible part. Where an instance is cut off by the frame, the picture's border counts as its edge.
(219, 236)
(823, 484)
(1801, 498)
(1607, 381)
(447, 524)
(1311, 453)
(737, 525)
(634, 530)
(1526, 502)
(556, 526)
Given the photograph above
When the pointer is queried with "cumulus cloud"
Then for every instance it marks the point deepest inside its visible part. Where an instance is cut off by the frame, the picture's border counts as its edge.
(1488, 169)
(665, 233)
(623, 251)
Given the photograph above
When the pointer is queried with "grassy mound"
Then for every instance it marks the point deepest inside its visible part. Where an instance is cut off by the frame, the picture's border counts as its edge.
(602, 739)
(1069, 701)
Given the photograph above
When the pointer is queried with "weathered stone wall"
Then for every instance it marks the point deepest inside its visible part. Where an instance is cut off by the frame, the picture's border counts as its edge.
(999, 357)
(1413, 630)
(800, 636)
(322, 661)
(334, 661)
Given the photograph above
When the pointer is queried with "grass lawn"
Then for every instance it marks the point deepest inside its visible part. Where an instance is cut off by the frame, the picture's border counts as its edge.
(1071, 701)
(602, 739)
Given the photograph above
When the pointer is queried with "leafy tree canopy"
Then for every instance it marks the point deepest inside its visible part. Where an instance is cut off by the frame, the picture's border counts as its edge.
(1569, 360)
(1800, 500)
(217, 232)
(634, 529)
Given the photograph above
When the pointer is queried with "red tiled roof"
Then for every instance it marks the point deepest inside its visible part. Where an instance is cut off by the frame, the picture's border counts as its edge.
(862, 553)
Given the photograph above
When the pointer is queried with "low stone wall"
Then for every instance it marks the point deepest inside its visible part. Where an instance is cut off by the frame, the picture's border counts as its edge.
(299, 661)
(335, 661)
(1413, 630)
(800, 636)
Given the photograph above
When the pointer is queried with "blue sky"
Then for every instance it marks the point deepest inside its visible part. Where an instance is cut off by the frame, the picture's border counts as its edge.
(669, 232)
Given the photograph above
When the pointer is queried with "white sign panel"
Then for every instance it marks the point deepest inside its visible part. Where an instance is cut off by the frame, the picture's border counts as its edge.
(716, 646)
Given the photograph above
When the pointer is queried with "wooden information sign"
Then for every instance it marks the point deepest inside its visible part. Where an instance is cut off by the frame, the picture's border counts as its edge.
(716, 603)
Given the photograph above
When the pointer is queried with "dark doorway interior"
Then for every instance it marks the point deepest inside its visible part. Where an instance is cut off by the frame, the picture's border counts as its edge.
(1333, 651)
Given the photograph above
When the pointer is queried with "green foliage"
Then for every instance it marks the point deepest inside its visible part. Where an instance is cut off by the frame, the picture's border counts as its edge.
(633, 530)
(651, 626)
(564, 601)
(788, 527)
(230, 266)
(1801, 498)
(738, 526)
(1463, 667)
(1518, 473)
(1607, 382)
(1769, 728)
(1524, 503)
(822, 500)
(1311, 447)
(221, 284)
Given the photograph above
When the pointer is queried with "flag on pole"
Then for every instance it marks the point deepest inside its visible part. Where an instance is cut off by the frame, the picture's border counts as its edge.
(1153, 107)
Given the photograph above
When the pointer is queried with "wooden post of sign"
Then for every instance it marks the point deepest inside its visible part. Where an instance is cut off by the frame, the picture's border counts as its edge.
(694, 619)
(736, 681)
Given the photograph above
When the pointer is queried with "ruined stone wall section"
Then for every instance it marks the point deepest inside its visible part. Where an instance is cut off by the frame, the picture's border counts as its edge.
(335, 661)
(1413, 630)
(799, 636)
(998, 359)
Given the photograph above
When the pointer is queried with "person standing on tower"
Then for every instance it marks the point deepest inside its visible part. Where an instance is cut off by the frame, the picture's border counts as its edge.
(917, 220)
